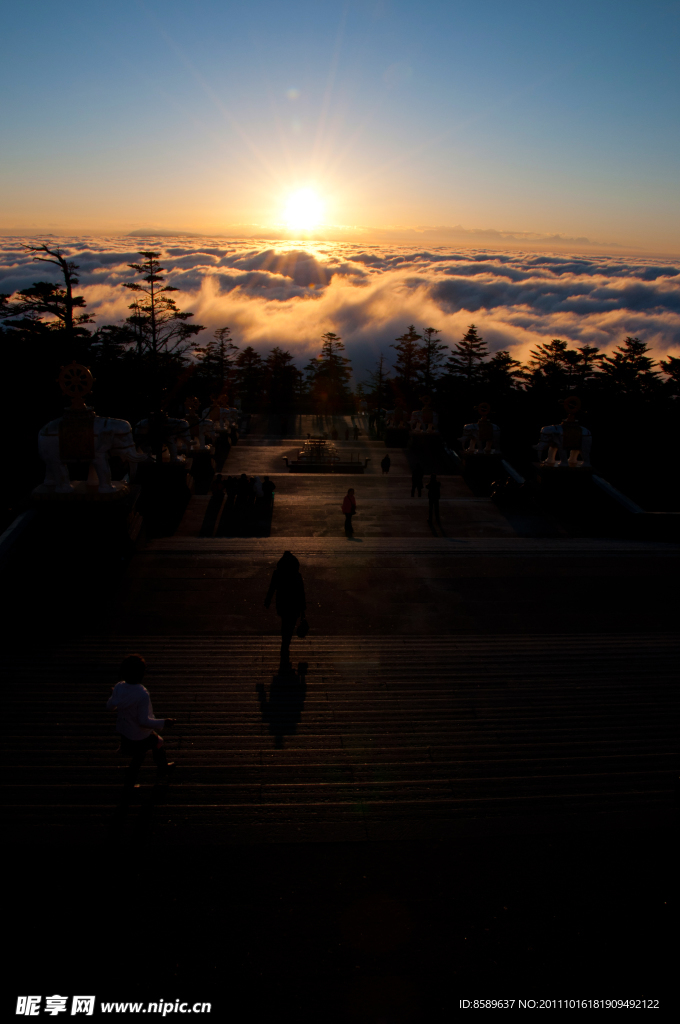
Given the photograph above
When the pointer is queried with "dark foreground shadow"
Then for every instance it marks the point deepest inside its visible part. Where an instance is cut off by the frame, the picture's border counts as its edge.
(212, 515)
(134, 813)
(281, 710)
(245, 518)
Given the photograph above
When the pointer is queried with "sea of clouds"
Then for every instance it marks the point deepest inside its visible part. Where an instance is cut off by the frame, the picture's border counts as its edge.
(289, 294)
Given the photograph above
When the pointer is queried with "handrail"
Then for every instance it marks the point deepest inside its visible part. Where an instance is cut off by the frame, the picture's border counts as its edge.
(622, 500)
(512, 472)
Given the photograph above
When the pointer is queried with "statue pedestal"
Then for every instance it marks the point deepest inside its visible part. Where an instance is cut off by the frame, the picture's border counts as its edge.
(222, 447)
(90, 524)
(82, 491)
(427, 451)
(397, 437)
(481, 469)
(165, 494)
(202, 470)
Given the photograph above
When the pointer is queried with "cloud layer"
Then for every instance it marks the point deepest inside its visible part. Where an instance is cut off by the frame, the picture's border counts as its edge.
(289, 294)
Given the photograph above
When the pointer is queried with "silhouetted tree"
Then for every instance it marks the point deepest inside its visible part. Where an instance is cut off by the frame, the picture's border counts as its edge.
(377, 384)
(630, 371)
(328, 376)
(249, 379)
(671, 367)
(408, 367)
(280, 381)
(502, 374)
(161, 328)
(216, 363)
(559, 367)
(45, 298)
(432, 358)
(467, 356)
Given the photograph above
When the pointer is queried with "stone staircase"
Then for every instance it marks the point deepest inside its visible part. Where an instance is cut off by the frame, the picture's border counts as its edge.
(390, 737)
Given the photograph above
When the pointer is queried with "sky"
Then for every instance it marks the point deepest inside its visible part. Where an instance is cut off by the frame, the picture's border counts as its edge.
(526, 125)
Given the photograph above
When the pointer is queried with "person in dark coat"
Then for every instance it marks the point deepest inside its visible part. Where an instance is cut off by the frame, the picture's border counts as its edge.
(434, 490)
(385, 464)
(417, 480)
(291, 603)
(268, 488)
(244, 490)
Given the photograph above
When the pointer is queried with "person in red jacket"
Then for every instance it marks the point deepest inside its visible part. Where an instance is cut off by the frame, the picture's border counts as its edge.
(349, 507)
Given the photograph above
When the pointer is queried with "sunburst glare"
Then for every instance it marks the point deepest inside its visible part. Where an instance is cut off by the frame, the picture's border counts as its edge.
(303, 210)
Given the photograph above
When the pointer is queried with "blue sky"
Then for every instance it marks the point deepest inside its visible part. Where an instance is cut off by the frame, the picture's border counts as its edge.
(543, 118)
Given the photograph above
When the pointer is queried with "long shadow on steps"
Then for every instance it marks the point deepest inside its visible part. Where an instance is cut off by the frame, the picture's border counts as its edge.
(282, 710)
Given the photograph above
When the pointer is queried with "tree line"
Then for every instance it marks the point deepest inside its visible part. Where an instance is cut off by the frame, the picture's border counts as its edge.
(155, 359)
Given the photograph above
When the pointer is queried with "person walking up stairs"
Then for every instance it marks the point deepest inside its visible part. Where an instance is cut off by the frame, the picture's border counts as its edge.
(291, 603)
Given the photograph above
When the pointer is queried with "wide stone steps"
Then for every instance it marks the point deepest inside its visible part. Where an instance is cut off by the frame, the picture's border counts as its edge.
(393, 737)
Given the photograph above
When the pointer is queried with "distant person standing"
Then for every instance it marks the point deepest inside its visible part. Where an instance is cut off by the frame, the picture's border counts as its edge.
(268, 489)
(417, 480)
(349, 507)
(135, 721)
(356, 432)
(243, 490)
(434, 490)
(385, 464)
(291, 603)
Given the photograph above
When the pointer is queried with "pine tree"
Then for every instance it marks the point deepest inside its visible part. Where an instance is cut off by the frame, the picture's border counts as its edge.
(328, 376)
(249, 379)
(671, 367)
(467, 356)
(408, 367)
(161, 328)
(502, 373)
(280, 380)
(559, 367)
(217, 362)
(44, 298)
(630, 371)
(586, 365)
(377, 384)
(432, 358)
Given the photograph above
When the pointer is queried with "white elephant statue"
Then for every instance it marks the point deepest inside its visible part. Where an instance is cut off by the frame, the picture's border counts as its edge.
(109, 436)
(424, 420)
(200, 423)
(482, 436)
(564, 442)
(222, 417)
(174, 430)
(228, 417)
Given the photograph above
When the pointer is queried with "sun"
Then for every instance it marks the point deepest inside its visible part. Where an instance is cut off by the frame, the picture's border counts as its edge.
(303, 210)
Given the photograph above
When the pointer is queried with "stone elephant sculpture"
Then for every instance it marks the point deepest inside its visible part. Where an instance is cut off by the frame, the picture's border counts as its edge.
(223, 416)
(173, 430)
(564, 442)
(482, 436)
(100, 436)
